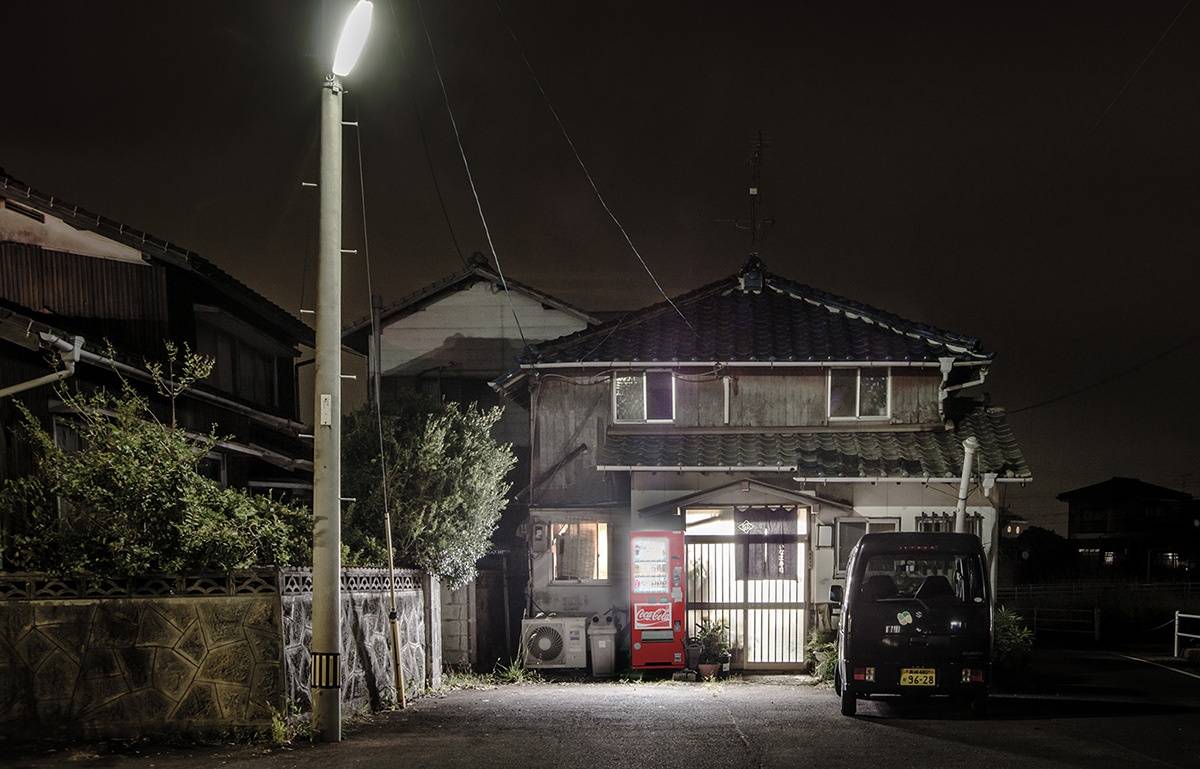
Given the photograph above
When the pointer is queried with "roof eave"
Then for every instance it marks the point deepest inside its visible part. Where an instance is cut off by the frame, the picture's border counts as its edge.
(982, 361)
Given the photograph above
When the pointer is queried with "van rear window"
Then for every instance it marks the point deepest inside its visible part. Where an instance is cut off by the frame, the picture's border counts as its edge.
(944, 578)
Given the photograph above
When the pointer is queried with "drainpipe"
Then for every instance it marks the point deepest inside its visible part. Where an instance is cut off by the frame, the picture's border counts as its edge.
(68, 352)
(947, 365)
(970, 446)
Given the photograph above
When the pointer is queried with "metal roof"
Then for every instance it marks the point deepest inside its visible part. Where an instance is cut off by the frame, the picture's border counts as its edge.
(157, 249)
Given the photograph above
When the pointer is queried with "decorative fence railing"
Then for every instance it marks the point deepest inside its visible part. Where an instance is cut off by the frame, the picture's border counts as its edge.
(33, 586)
(1179, 634)
(1043, 621)
(1088, 589)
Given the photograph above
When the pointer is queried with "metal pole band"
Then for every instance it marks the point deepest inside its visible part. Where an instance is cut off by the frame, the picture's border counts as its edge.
(325, 671)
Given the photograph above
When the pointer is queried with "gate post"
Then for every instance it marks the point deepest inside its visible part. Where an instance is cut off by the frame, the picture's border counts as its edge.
(431, 595)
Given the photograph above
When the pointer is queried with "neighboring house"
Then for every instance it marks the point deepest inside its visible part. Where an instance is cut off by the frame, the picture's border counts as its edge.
(448, 340)
(67, 274)
(774, 427)
(1124, 528)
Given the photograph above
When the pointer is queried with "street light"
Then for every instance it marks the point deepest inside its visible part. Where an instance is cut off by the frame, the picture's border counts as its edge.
(325, 678)
(354, 37)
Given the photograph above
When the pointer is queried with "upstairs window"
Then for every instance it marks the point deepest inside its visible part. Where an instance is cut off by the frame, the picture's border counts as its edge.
(859, 393)
(644, 397)
(239, 367)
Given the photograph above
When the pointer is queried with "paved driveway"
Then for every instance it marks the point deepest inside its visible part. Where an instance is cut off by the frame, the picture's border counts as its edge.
(1114, 713)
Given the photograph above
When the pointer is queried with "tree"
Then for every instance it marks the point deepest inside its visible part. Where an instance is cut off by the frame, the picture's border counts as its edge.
(445, 479)
(130, 500)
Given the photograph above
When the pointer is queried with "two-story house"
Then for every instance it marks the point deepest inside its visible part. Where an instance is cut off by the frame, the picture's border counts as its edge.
(69, 275)
(773, 424)
(449, 339)
(1125, 528)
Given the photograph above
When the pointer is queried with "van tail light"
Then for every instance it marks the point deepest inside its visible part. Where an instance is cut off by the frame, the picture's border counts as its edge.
(972, 676)
(864, 674)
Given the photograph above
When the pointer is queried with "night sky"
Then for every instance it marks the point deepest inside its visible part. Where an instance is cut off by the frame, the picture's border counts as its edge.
(958, 164)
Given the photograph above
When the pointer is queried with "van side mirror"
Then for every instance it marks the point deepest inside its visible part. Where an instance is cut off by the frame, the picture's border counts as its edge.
(836, 593)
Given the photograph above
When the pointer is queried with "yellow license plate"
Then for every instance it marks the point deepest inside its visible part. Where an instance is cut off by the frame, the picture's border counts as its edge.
(918, 677)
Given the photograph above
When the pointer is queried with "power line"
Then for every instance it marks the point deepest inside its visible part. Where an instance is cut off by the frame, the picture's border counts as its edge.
(1141, 64)
(470, 177)
(375, 330)
(1110, 377)
(412, 104)
(579, 159)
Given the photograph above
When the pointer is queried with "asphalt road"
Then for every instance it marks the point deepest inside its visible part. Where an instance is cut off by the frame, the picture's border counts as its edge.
(1095, 710)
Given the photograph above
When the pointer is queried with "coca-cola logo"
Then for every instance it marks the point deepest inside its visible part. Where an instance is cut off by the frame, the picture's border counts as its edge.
(652, 616)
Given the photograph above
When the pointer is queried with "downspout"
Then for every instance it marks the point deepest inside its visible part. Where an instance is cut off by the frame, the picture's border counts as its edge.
(970, 446)
(988, 482)
(68, 352)
(947, 365)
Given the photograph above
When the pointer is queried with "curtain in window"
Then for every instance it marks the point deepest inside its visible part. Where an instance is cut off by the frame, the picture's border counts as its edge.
(766, 542)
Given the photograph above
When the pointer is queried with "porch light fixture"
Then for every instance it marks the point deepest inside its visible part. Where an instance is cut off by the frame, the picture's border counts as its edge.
(353, 38)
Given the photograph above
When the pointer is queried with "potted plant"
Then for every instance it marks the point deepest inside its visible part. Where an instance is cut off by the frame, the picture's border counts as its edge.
(713, 637)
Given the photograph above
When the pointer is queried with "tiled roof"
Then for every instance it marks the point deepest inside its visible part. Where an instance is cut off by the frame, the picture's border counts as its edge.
(162, 250)
(781, 321)
(857, 454)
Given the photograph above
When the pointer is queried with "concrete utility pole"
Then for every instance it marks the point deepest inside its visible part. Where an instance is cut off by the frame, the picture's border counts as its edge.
(327, 432)
(325, 677)
(970, 446)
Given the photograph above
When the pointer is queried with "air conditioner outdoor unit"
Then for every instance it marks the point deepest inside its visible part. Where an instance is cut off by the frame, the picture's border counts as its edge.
(554, 642)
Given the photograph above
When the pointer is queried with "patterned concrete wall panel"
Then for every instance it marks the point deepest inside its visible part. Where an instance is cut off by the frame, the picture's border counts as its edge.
(367, 679)
(128, 666)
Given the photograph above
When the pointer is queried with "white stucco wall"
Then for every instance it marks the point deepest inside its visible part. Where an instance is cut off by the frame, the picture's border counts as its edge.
(56, 235)
(471, 332)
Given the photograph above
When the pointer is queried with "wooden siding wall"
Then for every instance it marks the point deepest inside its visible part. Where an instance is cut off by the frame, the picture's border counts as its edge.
(795, 398)
(570, 411)
(127, 303)
(915, 395)
(774, 400)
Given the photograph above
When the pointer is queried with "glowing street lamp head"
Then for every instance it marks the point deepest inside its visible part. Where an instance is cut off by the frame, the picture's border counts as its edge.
(354, 37)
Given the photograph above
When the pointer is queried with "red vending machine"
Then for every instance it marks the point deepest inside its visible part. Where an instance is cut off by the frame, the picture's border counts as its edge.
(656, 599)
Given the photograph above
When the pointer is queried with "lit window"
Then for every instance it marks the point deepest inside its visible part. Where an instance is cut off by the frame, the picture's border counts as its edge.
(850, 531)
(644, 397)
(1169, 560)
(944, 523)
(859, 393)
(580, 550)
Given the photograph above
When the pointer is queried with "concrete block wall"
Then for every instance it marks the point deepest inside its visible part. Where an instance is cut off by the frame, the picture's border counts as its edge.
(129, 666)
(458, 627)
(194, 654)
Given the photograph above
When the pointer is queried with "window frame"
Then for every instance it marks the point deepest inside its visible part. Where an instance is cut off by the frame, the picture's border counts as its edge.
(885, 417)
(552, 549)
(840, 568)
(645, 401)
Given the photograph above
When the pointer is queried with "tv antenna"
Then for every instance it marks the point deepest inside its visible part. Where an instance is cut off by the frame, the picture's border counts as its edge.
(755, 224)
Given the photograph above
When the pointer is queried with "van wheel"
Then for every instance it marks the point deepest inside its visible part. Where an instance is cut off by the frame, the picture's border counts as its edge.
(849, 702)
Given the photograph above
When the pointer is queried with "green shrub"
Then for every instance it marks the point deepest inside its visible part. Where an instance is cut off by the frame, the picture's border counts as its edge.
(713, 636)
(130, 501)
(1012, 640)
(445, 479)
(823, 655)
